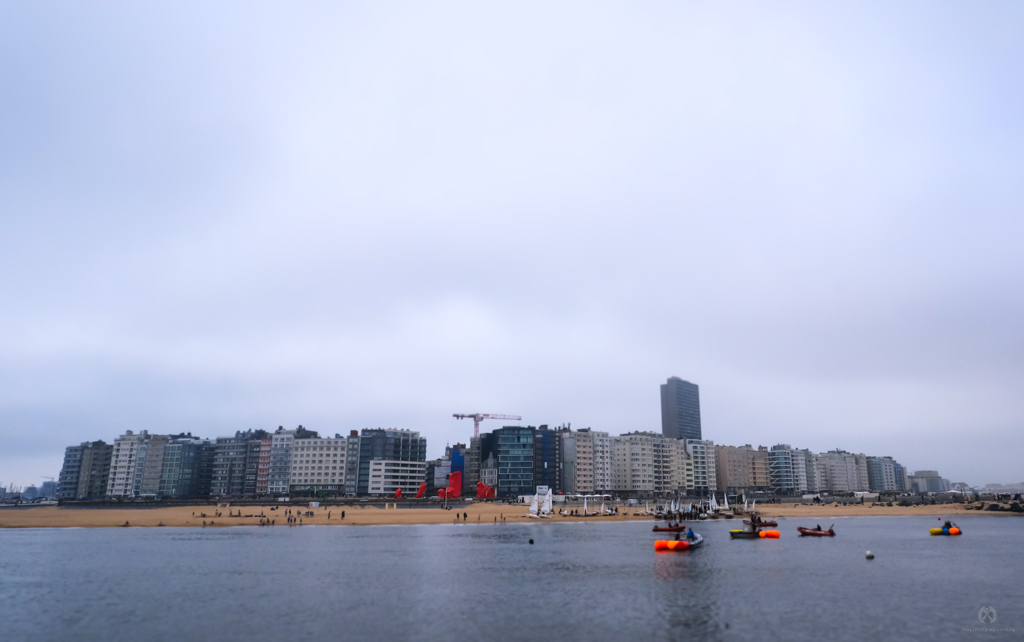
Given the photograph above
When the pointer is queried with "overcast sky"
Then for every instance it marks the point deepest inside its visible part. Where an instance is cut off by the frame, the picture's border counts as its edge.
(216, 217)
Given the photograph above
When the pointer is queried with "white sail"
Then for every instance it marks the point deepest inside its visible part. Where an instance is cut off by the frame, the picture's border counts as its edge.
(603, 512)
(584, 505)
(547, 503)
(533, 505)
(754, 507)
(725, 498)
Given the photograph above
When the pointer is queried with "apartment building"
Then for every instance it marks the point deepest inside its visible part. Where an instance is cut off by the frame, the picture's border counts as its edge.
(633, 460)
(702, 454)
(135, 464)
(187, 468)
(86, 471)
(318, 464)
(387, 476)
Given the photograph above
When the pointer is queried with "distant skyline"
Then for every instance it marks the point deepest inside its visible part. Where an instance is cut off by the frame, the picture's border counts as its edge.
(233, 216)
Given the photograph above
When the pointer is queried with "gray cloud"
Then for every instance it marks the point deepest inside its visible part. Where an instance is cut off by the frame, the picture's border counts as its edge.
(217, 218)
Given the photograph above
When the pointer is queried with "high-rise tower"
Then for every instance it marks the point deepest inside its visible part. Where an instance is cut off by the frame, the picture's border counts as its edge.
(680, 409)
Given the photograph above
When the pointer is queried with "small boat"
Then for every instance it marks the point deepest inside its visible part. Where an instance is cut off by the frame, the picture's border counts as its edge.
(816, 533)
(739, 534)
(678, 544)
(669, 529)
(954, 531)
(761, 523)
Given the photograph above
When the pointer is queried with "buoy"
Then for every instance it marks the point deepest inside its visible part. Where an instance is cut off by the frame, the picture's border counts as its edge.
(531, 541)
(870, 555)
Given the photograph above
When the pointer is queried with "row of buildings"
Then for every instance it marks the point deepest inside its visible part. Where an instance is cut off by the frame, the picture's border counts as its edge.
(515, 460)
(253, 463)
(512, 459)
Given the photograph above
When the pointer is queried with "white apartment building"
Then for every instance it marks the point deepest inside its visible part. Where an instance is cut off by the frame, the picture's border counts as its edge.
(844, 472)
(682, 468)
(584, 461)
(318, 463)
(387, 476)
(702, 456)
(633, 460)
(135, 464)
(604, 467)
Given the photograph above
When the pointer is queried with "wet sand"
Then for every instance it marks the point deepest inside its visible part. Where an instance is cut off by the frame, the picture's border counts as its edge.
(65, 517)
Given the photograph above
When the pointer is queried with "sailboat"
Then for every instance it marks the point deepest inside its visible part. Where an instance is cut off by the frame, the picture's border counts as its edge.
(546, 509)
(534, 507)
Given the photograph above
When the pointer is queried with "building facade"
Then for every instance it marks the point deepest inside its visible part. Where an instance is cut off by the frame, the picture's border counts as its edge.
(135, 464)
(318, 465)
(929, 481)
(230, 461)
(547, 459)
(514, 446)
(389, 444)
(702, 454)
(387, 476)
(280, 474)
(680, 409)
(187, 468)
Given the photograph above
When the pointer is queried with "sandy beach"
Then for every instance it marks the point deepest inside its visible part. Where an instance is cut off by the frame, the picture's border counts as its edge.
(65, 517)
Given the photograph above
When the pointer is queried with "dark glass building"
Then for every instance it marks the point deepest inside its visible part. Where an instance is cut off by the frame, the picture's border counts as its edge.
(680, 409)
(390, 445)
(515, 460)
(547, 459)
(187, 468)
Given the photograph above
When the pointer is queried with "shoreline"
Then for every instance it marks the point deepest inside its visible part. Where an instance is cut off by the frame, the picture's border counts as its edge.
(182, 516)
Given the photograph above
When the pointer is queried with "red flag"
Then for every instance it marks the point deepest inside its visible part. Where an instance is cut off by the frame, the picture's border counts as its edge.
(455, 484)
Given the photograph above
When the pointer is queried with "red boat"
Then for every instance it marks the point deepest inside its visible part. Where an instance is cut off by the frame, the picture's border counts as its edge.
(816, 533)
(761, 523)
(669, 529)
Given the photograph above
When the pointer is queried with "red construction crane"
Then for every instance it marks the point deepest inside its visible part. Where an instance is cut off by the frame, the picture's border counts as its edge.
(478, 417)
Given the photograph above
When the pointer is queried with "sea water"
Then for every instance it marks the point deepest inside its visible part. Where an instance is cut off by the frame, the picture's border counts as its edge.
(595, 580)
